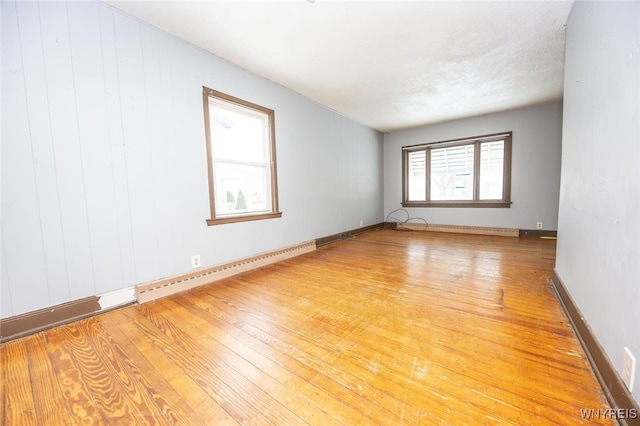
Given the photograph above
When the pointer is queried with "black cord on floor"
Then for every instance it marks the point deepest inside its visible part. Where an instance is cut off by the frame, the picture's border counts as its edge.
(407, 220)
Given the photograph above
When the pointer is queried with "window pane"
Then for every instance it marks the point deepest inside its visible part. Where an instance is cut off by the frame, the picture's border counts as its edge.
(238, 133)
(417, 175)
(241, 188)
(469, 172)
(452, 173)
(491, 170)
(242, 163)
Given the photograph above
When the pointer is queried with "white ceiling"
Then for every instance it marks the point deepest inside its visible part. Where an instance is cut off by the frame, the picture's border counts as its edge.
(387, 64)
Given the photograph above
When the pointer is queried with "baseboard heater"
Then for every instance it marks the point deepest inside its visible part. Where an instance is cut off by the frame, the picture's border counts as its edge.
(167, 286)
(458, 229)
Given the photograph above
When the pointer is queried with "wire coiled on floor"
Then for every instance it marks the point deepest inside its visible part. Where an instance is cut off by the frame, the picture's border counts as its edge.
(408, 219)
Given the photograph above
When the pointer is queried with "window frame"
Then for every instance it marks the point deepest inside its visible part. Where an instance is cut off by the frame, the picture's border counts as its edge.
(275, 212)
(504, 202)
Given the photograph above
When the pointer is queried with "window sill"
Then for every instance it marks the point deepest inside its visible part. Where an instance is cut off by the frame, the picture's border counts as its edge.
(473, 204)
(243, 218)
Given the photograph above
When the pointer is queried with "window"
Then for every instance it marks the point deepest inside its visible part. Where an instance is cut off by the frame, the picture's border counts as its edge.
(472, 172)
(241, 154)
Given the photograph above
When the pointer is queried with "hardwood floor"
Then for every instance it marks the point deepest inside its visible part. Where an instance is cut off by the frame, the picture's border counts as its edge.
(388, 328)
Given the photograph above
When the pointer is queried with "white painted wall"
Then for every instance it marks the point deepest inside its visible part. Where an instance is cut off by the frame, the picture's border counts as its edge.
(535, 163)
(598, 256)
(104, 172)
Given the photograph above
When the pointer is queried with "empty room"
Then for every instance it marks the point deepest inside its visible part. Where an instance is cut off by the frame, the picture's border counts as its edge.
(320, 212)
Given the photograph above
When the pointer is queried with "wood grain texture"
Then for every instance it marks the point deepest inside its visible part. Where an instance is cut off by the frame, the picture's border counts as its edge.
(386, 328)
(3, 387)
(50, 407)
(78, 398)
(18, 404)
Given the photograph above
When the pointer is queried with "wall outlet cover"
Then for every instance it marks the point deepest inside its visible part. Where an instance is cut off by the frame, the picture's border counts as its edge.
(628, 368)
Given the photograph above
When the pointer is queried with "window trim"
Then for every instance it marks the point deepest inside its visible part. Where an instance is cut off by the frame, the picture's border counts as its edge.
(241, 217)
(505, 202)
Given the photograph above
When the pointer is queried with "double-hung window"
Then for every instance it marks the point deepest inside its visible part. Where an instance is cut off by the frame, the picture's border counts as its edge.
(470, 172)
(241, 155)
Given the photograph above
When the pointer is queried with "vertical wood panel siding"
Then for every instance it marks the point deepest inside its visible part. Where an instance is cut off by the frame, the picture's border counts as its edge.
(41, 136)
(22, 234)
(91, 105)
(104, 179)
(68, 149)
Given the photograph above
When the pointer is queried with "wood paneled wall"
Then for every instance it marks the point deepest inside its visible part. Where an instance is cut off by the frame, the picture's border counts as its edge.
(104, 179)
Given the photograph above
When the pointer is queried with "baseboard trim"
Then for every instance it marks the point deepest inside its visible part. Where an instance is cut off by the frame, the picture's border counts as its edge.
(614, 388)
(117, 298)
(458, 229)
(179, 283)
(330, 239)
(323, 241)
(538, 233)
(41, 319)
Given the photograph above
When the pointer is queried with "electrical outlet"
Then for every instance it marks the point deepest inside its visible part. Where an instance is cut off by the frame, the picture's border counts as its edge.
(360, 222)
(539, 225)
(195, 261)
(628, 368)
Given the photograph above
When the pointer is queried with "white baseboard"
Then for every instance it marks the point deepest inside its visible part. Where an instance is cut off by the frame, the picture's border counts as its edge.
(114, 299)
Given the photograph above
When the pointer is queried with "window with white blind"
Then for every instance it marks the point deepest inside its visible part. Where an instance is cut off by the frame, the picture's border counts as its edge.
(241, 158)
(470, 172)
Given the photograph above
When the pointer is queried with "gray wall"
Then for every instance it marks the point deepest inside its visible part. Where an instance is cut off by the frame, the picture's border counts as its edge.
(598, 256)
(104, 172)
(535, 180)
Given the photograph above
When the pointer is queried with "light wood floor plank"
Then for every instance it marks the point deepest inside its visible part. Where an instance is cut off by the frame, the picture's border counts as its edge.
(279, 388)
(362, 368)
(158, 347)
(3, 381)
(150, 377)
(245, 402)
(254, 390)
(283, 383)
(80, 403)
(386, 328)
(295, 345)
(48, 397)
(19, 406)
(273, 360)
(317, 355)
(105, 378)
